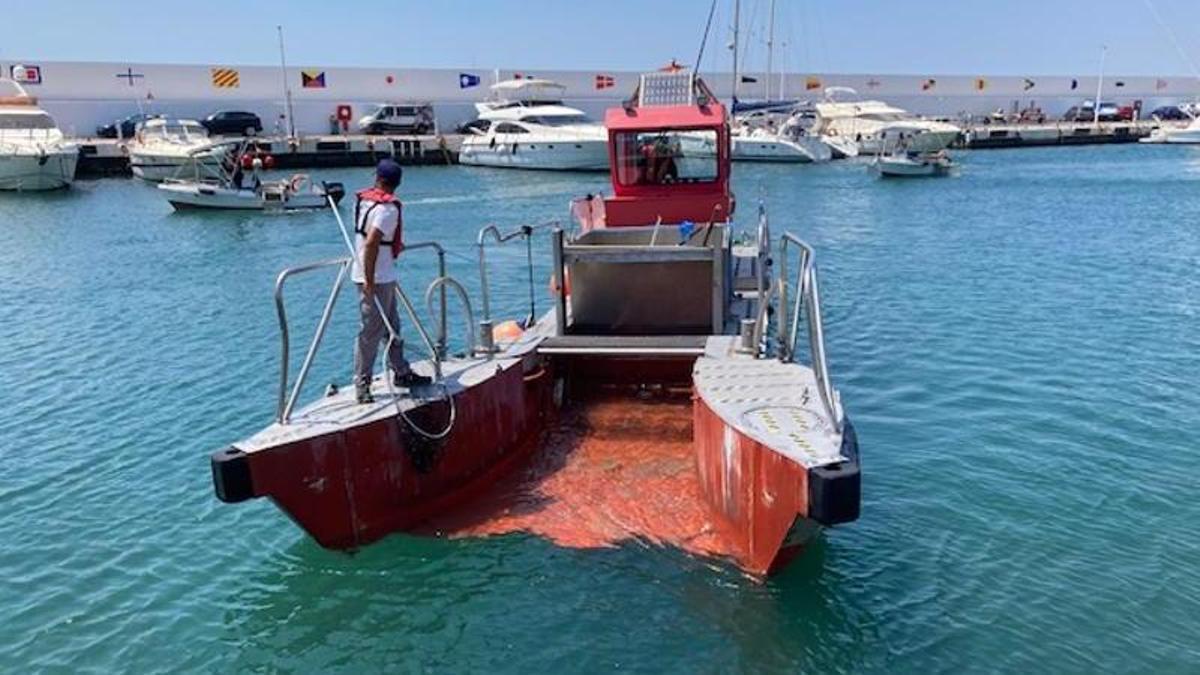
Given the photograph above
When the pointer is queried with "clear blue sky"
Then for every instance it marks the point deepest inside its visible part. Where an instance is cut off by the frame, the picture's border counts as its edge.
(999, 37)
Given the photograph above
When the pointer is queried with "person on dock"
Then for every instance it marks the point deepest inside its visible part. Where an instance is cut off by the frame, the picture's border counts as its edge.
(378, 228)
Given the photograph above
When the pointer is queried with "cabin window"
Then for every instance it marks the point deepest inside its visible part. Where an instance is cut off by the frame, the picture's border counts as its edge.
(26, 121)
(509, 128)
(665, 157)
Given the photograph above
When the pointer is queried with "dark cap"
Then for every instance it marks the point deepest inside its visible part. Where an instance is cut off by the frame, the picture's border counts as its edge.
(389, 170)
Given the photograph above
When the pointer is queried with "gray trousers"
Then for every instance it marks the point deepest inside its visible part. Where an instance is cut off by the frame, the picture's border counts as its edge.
(372, 330)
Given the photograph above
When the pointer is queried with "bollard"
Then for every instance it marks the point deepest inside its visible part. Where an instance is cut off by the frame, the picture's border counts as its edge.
(746, 342)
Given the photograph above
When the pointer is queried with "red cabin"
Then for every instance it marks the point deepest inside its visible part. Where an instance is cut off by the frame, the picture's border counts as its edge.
(669, 154)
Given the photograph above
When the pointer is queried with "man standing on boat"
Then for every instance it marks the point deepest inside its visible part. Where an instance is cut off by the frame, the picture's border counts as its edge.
(378, 232)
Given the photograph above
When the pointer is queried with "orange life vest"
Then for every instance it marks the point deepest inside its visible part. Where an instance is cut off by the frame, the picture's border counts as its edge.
(378, 196)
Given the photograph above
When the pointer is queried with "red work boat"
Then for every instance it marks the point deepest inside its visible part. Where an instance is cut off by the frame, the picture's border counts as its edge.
(654, 294)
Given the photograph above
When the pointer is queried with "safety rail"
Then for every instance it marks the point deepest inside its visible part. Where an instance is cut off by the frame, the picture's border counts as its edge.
(494, 233)
(436, 348)
(808, 301)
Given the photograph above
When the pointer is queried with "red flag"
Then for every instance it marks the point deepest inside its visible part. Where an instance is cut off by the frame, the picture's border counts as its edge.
(604, 81)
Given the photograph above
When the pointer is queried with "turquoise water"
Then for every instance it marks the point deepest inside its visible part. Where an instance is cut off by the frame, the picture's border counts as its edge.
(1019, 347)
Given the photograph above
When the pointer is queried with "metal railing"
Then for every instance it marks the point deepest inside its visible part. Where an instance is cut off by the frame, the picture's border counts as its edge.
(493, 232)
(436, 348)
(808, 302)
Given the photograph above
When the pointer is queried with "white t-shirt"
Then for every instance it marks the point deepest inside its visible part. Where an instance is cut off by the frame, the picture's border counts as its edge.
(386, 219)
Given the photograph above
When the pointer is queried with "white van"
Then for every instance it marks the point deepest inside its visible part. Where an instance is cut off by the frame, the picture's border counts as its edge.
(401, 118)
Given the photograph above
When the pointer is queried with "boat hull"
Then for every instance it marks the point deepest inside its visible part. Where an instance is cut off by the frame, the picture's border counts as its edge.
(201, 196)
(590, 155)
(352, 486)
(157, 168)
(768, 505)
(33, 172)
(805, 151)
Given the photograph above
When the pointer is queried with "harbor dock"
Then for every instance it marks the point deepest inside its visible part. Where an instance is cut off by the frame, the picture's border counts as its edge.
(987, 136)
(100, 157)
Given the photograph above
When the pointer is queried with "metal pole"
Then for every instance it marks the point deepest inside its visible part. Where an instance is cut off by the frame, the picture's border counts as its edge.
(770, 49)
(1099, 86)
(287, 91)
(560, 302)
(737, 12)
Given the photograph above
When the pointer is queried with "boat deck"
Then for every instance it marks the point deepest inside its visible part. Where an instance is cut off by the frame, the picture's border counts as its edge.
(775, 403)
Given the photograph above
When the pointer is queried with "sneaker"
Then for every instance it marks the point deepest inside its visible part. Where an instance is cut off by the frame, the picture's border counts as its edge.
(364, 396)
(411, 379)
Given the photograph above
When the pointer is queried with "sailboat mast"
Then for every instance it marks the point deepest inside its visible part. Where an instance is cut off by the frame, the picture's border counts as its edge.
(1099, 86)
(770, 49)
(737, 13)
(287, 91)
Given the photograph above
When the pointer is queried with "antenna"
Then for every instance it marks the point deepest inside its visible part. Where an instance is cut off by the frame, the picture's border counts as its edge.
(704, 40)
(737, 13)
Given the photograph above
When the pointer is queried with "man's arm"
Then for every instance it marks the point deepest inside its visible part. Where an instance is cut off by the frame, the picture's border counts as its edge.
(370, 256)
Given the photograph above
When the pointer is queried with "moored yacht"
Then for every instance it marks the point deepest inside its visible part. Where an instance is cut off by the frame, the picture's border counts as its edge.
(526, 126)
(34, 154)
(866, 123)
(161, 148)
(653, 305)
(1186, 135)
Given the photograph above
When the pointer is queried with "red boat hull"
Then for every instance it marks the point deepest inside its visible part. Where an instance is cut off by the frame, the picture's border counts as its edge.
(351, 487)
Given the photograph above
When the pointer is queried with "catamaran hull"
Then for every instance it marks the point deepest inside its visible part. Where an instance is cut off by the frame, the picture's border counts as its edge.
(353, 486)
(553, 155)
(768, 505)
(33, 172)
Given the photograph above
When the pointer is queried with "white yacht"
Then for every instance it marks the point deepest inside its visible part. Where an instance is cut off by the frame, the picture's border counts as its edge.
(525, 125)
(162, 147)
(1188, 135)
(866, 123)
(34, 154)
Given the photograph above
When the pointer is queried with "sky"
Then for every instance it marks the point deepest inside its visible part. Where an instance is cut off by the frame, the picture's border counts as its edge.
(993, 37)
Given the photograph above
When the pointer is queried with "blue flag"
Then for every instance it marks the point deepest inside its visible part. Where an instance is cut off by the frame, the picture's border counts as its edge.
(685, 230)
(467, 80)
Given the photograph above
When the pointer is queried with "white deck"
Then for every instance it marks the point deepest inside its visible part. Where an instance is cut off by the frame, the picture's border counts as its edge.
(341, 411)
(775, 403)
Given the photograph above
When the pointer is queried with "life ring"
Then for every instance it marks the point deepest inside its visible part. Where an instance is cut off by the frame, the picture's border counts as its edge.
(297, 181)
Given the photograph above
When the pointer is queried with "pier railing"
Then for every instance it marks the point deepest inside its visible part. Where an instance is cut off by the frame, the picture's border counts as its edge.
(807, 304)
(286, 401)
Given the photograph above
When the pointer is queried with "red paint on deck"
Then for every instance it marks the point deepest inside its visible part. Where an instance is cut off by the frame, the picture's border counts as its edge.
(614, 468)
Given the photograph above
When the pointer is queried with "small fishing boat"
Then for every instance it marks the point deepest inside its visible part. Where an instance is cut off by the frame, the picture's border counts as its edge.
(223, 185)
(912, 164)
(655, 294)
(1175, 135)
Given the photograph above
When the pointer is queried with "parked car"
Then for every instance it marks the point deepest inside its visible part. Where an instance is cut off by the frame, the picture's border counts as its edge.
(123, 128)
(232, 123)
(403, 118)
(1086, 112)
(1169, 112)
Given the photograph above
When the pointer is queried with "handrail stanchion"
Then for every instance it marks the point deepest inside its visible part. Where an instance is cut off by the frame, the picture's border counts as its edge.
(326, 315)
(283, 408)
(806, 282)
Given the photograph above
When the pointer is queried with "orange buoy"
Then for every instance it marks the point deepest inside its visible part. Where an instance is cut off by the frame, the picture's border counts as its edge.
(507, 331)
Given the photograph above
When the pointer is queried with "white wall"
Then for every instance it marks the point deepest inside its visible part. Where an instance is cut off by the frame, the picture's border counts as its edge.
(83, 95)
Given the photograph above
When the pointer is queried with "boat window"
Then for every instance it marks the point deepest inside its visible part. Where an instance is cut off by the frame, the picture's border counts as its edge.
(557, 120)
(510, 128)
(35, 121)
(663, 157)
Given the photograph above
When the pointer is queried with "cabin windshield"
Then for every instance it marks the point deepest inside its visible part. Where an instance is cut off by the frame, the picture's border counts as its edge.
(556, 120)
(26, 121)
(666, 157)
